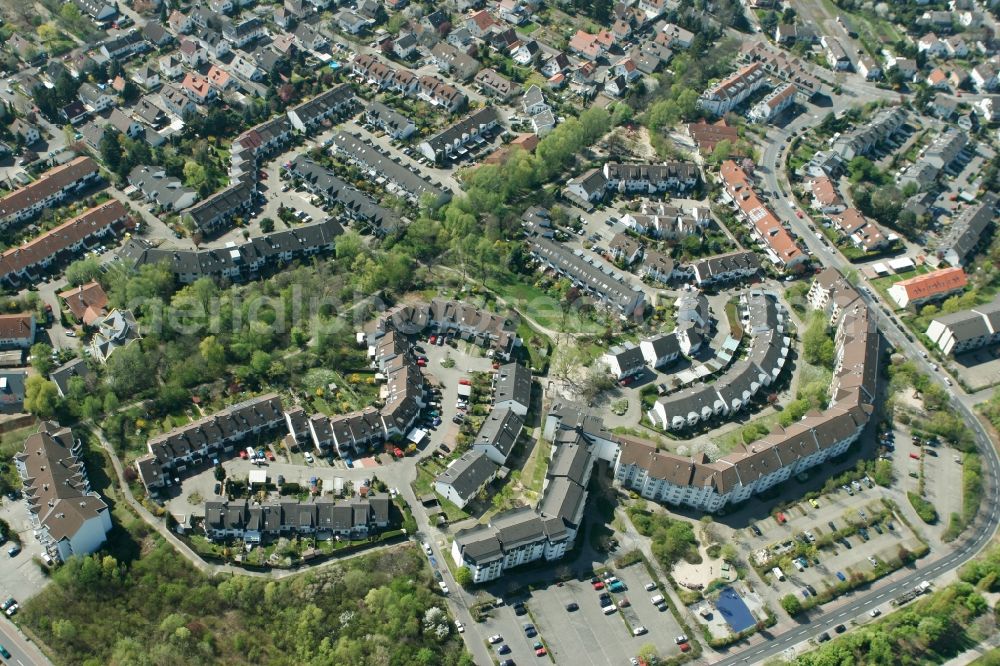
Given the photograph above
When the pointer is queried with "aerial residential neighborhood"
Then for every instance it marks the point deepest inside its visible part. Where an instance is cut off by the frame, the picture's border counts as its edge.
(499, 332)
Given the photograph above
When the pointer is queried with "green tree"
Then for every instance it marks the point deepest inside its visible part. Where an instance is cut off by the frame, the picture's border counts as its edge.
(463, 576)
(791, 604)
(41, 397)
(83, 271)
(41, 358)
(194, 175)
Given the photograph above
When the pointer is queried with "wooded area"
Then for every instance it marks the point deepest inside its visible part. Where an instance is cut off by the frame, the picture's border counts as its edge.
(158, 610)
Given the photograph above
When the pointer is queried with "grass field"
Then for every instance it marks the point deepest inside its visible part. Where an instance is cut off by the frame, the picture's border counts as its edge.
(733, 439)
(543, 308)
(533, 472)
(882, 284)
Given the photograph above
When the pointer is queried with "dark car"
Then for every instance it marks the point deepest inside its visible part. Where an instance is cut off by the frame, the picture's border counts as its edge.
(519, 609)
(812, 590)
(840, 628)
(503, 649)
(572, 606)
(824, 637)
(831, 525)
(755, 530)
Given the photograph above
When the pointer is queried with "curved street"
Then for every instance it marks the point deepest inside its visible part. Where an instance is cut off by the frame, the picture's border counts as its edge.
(986, 524)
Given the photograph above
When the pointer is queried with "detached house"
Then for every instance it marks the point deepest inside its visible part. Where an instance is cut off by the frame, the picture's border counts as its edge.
(591, 46)
(495, 85)
(198, 89)
(95, 98)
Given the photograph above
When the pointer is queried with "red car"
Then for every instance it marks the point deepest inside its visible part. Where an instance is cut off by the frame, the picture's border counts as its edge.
(780, 517)
(599, 585)
(269, 455)
(432, 339)
(243, 454)
(540, 652)
(798, 213)
(421, 362)
(685, 647)
(625, 381)
(464, 382)
(915, 456)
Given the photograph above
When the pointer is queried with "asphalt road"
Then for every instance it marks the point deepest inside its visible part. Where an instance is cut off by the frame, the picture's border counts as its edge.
(22, 652)
(987, 523)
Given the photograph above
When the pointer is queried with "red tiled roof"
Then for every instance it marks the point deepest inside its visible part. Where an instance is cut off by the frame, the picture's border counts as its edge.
(65, 235)
(51, 181)
(87, 302)
(934, 283)
(15, 326)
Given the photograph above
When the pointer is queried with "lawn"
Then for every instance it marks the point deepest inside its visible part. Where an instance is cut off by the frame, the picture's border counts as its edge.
(882, 284)
(533, 472)
(540, 307)
(538, 346)
(733, 439)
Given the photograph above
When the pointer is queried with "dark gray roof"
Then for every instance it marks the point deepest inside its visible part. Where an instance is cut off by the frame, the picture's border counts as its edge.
(156, 185)
(613, 289)
(571, 460)
(242, 258)
(470, 123)
(222, 206)
(370, 157)
(513, 382)
(324, 182)
(386, 117)
(468, 473)
(665, 344)
(968, 228)
(727, 262)
(562, 499)
(76, 368)
(500, 430)
(479, 544)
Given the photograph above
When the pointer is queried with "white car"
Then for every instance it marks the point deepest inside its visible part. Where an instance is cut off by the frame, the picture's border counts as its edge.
(873, 561)
(874, 612)
(427, 547)
(443, 586)
(495, 638)
(460, 627)
(650, 586)
(639, 631)
(309, 457)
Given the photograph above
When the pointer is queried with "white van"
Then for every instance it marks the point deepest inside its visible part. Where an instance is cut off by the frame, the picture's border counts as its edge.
(657, 600)
(778, 574)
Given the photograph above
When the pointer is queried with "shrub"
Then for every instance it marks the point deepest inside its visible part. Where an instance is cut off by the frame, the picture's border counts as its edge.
(924, 509)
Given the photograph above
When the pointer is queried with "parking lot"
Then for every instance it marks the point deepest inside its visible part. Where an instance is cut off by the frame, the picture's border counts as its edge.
(845, 512)
(20, 576)
(586, 635)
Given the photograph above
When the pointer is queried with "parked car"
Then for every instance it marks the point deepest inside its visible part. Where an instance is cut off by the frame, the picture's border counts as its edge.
(503, 649)
(13, 550)
(495, 638)
(572, 607)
